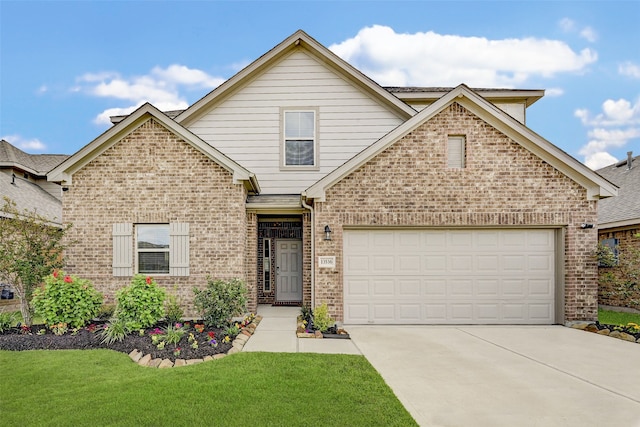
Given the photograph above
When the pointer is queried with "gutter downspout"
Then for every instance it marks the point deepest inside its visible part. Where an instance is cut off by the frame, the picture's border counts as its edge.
(303, 196)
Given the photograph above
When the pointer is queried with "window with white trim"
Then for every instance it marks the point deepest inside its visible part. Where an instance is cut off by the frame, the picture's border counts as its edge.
(150, 249)
(299, 146)
(456, 152)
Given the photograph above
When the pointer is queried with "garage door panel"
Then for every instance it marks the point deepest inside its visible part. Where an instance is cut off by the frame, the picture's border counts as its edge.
(435, 287)
(383, 288)
(384, 312)
(409, 288)
(449, 276)
(356, 288)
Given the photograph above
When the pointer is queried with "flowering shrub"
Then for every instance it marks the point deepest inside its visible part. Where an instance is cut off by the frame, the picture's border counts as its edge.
(66, 299)
(199, 327)
(59, 328)
(141, 304)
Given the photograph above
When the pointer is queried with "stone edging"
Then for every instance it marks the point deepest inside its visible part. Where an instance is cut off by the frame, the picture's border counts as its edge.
(236, 346)
(591, 327)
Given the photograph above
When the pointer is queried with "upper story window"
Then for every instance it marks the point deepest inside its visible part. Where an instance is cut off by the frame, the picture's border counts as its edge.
(152, 247)
(299, 132)
(456, 152)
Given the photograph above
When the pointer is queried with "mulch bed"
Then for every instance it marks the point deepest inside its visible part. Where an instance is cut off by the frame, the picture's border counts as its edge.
(16, 339)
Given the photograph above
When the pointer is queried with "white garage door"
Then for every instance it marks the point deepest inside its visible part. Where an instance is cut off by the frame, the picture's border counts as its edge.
(449, 276)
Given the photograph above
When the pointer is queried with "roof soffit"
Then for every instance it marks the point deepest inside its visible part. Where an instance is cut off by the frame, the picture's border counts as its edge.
(298, 40)
(595, 185)
(64, 172)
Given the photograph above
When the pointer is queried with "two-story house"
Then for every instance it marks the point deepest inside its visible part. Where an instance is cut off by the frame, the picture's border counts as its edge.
(314, 184)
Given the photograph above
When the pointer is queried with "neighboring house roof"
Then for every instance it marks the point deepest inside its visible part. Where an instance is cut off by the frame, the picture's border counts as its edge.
(299, 39)
(529, 96)
(63, 173)
(625, 209)
(597, 187)
(36, 164)
(29, 196)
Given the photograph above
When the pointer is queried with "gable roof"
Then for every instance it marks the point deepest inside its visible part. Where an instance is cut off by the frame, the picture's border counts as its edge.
(36, 164)
(597, 187)
(625, 209)
(297, 40)
(63, 173)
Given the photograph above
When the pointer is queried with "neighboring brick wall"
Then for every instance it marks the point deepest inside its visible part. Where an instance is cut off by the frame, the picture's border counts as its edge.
(608, 293)
(152, 176)
(503, 184)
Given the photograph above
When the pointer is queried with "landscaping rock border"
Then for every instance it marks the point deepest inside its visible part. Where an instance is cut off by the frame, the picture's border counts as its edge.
(236, 346)
(606, 330)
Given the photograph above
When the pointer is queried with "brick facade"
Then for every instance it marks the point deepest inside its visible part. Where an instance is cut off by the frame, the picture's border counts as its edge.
(503, 184)
(152, 176)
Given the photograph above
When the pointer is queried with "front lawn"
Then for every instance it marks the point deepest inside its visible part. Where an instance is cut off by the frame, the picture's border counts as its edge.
(104, 388)
(607, 317)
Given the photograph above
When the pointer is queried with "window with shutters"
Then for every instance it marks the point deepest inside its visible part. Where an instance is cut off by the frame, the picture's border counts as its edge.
(151, 249)
(456, 152)
(299, 149)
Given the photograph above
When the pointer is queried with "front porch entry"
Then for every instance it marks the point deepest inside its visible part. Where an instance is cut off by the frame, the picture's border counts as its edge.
(280, 260)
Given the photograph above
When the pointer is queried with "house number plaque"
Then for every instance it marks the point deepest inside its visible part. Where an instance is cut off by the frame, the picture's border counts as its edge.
(327, 262)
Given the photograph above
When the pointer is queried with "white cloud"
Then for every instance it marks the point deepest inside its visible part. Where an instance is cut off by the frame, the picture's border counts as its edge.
(568, 25)
(589, 34)
(161, 87)
(25, 144)
(432, 59)
(614, 113)
(629, 69)
(554, 92)
(611, 129)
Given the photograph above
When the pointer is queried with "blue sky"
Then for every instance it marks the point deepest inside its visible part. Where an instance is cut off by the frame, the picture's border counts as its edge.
(66, 66)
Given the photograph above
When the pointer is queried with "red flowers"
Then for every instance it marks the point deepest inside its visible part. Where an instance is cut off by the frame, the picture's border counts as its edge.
(211, 334)
(55, 273)
(148, 280)
(68, 279)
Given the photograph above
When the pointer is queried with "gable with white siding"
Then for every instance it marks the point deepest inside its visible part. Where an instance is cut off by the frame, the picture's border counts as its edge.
(246, 125)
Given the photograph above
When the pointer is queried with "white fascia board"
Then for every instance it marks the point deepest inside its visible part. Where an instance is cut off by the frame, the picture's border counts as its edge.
(597, 187)
(317, 190)
(299, 38)
(64, 172)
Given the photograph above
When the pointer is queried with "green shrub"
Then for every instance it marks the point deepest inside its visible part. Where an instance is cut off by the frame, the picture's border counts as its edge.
(66, 299)
(141, 304)
(106, 311)
(321, 319)
(173, 313)
(220, 301)
(8, 319)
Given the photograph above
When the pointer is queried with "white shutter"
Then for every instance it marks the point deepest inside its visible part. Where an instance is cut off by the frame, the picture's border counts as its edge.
(179, 249)
(122, 249)
(455, 152)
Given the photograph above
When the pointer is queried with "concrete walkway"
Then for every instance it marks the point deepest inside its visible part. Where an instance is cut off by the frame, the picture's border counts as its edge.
(277, 333)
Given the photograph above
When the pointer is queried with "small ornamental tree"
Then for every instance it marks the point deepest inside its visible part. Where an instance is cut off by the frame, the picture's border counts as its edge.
(31, 247)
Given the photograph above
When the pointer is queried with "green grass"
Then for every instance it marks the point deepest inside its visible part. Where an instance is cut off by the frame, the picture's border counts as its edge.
(617, 318)
(104, 388)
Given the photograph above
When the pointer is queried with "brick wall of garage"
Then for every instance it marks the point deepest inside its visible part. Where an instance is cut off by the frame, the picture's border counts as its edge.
(152, 176)
(503, 184)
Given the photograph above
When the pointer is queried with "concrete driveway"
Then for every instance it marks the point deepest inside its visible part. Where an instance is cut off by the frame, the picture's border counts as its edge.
(506, 376)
